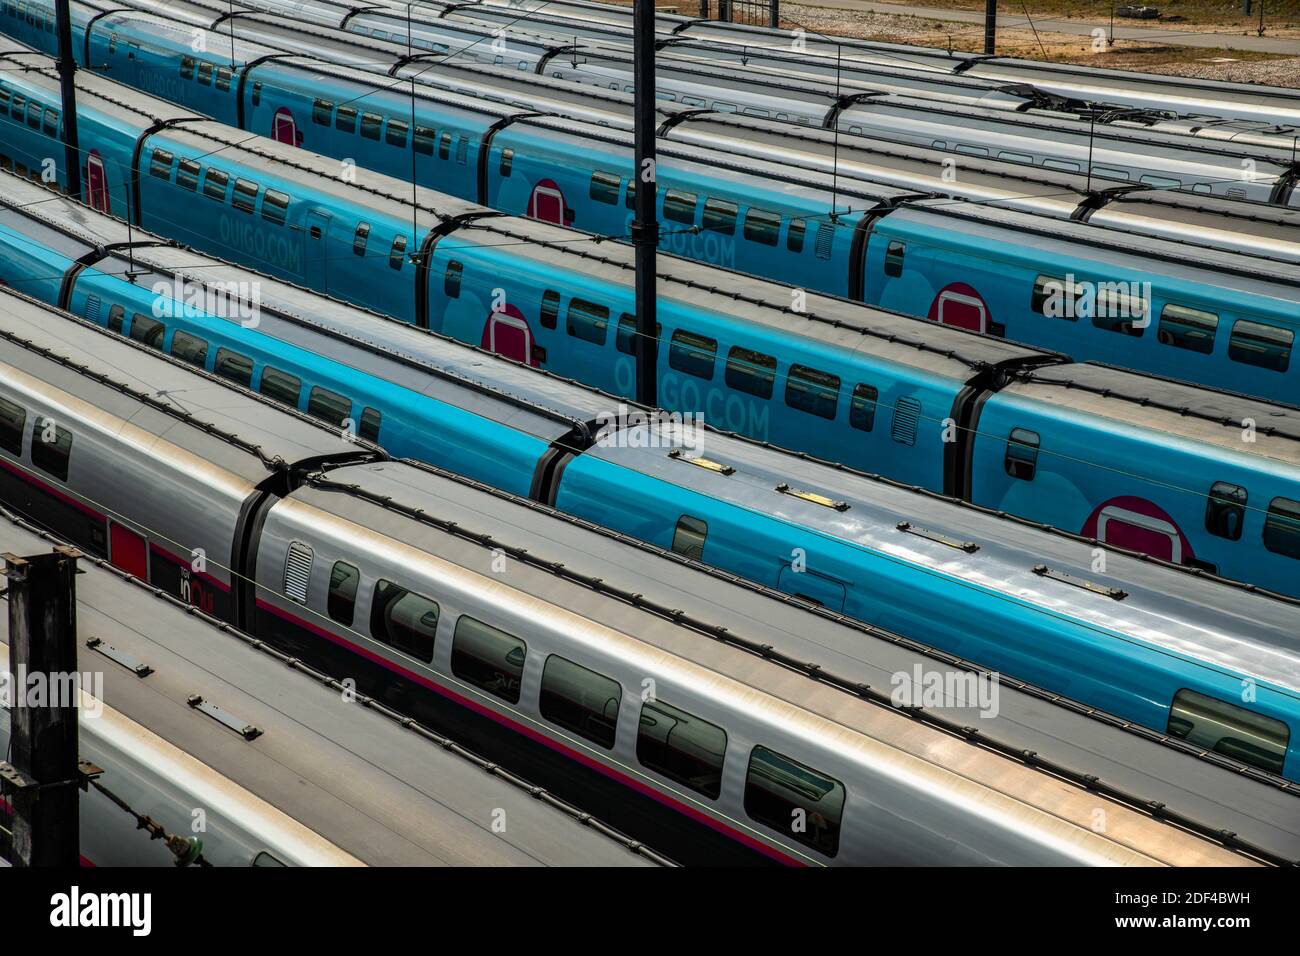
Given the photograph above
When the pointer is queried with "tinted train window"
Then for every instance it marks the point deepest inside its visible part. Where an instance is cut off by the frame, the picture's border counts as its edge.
(626, 336)
(1282, 527)
(371, 419)
(894, 253)
(281, 386)
(681, 747)
(862, 407)
(629, 199)
(19, 107)
(234, 367)
(147, 330)
(751, 372)
(451, 279)
(580, 700)
(550, 308)
(322, 111)
(205, 73)
(1225, 511)
(359, 238)
(115, 316)
(342, 601)
(812, 391)
(1050, 298)
(214, 185)
(1265, 346)
(187, 67)
(51, 123)
(1229, 730)
(257, 92)
(507, 161)
(34, 111)
(605, 187)
(692, 354)
(223, 78)
(689, 537)
(762, 226)
(423, 141)
(160, 164)
(587, 321)
(370, 123)
(187, 174)
(329, 406)
(244, 197)
(403, 620)
(794, 799)
(395, 135)
(275, 206)
(488, 658)
(720, 216)
(189, 348)
(794, 238)
(346, 119)
(397, 253)
(1021, 459)
(1189, 329)
(679, 206)
(444, 145)
(51, 448)
(12, 420)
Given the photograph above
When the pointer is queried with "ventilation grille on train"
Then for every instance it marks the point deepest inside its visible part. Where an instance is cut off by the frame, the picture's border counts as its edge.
(825, 233)
(92, 308)
(297, 572)
(907, 412)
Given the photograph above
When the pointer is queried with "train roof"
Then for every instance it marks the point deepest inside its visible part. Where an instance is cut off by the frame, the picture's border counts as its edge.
(759, 636)
(353, 781)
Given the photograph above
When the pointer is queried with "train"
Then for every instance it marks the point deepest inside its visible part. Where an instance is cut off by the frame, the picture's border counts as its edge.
(836, 540)
(501, 618)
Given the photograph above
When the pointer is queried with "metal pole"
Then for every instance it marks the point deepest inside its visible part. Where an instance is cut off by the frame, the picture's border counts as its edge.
(68, 86)
(1261, 17)
(774, 18)
(990, 25)
(42, 645)
(704, 9)
(645, 226)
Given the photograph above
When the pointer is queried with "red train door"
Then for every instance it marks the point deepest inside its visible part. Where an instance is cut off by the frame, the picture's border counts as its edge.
(507, 333)
(283, 127)
(127, 551)
(961, 306)
(547, 202)
(97, 182)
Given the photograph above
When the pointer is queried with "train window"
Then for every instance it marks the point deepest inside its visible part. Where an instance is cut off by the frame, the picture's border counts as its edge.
(1117, 310)
(689, 537)
(424, 136)
(34, 112)
(244, 198)
(812, 391)
(205, 73)
(750, 371)
(370, 125)
(257, 92)
(1229, 730)
(116, 315)
(794, 799)
(189, 348)
(345, 119)
(1050, 295)
(51, 123)
(580, 700)
(1110, 172)
(371, 419)
(451, 279)
(488, 658)
(148, 331)
(1225, 510)
(322, 112)
(1063, 164)
(462, 149)
(693, 100)
(794, 237)
(894, 254)
(187, 174)
(187, 68)
(330, 407)
(679, 206)
(13, 418)
(359, 238)
(629, 199)
(692, 354)
(275, 206)
(234, 367)
(862, 407)
(1021, 460)
(971, 150)
(605, 188)
(1189, 329)
(720, 216)
(1163, 182)
(1282, 527)
(627, 333)
(224, 75)
(762, 226)
(682, 747)
(280, 386)
(403, 620)
(51, 448)
(395, 134)
(214, 184)
(550, 308)
(444, 145)
(1264, 346)
(1016, 157)
(19, 107)
(4, 100)
(397, 253)
(507, 161)
(587, 321)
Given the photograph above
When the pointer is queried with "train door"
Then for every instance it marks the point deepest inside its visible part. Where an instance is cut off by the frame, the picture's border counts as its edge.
(814, 587)
(1139, 525)
(97, 182)
(547, 203)
(127, 551)
(507, 333)
(284, 129)
(960, 305)
(316, 261)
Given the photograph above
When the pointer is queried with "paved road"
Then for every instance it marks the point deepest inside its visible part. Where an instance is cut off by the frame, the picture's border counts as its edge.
(1123, 31)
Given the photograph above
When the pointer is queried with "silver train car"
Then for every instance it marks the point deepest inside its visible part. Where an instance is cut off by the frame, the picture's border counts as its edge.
(745, 712)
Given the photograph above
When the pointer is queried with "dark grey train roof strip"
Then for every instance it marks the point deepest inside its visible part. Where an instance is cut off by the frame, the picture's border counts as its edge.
(816, 672)
(445, 743)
